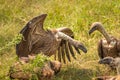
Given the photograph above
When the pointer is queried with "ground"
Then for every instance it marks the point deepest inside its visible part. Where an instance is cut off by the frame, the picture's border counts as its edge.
(75, 14)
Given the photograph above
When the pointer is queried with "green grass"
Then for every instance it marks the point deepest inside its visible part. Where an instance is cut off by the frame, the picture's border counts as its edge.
(75, 14)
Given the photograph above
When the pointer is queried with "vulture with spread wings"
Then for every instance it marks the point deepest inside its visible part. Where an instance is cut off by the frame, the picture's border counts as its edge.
(109, 46)
(58, 42)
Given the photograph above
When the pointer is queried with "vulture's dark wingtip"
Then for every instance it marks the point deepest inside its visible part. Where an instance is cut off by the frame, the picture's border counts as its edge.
(44, 15)
(83, 48)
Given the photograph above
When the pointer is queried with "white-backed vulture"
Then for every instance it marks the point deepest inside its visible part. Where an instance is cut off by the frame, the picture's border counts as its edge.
(114, 63)
(110, 46)
(49, 42)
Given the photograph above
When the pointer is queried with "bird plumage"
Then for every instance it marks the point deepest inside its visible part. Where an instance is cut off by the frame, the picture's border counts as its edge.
(114, 63)
(49, 42)
(110, 46)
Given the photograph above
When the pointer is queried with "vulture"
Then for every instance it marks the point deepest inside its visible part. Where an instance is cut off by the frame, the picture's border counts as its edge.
(58, 42)
(114, 63)
(109, 46)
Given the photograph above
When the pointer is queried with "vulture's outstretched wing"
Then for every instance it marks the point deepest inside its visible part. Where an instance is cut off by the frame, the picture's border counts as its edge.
(30, 35)
(37, 40)
(100, 50)
(68, 47)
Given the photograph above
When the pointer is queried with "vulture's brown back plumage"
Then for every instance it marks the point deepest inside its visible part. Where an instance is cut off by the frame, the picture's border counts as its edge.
(49, 42)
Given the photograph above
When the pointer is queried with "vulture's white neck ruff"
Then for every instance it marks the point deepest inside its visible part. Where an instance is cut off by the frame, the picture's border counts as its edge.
(110, 45)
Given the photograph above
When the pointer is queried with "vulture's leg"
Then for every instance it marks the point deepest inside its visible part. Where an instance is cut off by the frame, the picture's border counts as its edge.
(59, 54)
(100, 51)
(63, 52)
(67, 51)
(71, 50)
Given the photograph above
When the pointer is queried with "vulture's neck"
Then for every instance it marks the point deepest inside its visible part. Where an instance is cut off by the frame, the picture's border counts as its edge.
(105, 34)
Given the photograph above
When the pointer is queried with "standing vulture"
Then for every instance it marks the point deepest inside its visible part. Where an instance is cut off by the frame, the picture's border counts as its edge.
(49, 42)
(109, 46)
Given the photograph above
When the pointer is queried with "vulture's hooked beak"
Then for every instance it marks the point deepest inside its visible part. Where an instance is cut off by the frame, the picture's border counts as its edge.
(106, 60)
(92, 30)
(83, 48)
(95, 26)
(101, 61)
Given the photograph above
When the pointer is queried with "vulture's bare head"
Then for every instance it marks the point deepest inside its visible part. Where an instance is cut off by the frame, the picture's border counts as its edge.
(106, 60)
(95, 26)
(98, 26)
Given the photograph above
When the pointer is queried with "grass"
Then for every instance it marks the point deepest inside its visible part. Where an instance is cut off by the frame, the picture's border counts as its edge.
(75, 14)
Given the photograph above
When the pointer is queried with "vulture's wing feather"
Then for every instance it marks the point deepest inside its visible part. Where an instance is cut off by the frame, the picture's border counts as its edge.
(59, 53)
(36, 28)
(68, 43)
(24, 30)
(77, 50)
(30, 37)
(71, 50)
(63, 51)
(67, 51)
(100, 50)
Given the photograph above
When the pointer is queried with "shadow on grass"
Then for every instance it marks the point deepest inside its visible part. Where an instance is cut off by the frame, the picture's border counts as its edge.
(75, 74)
